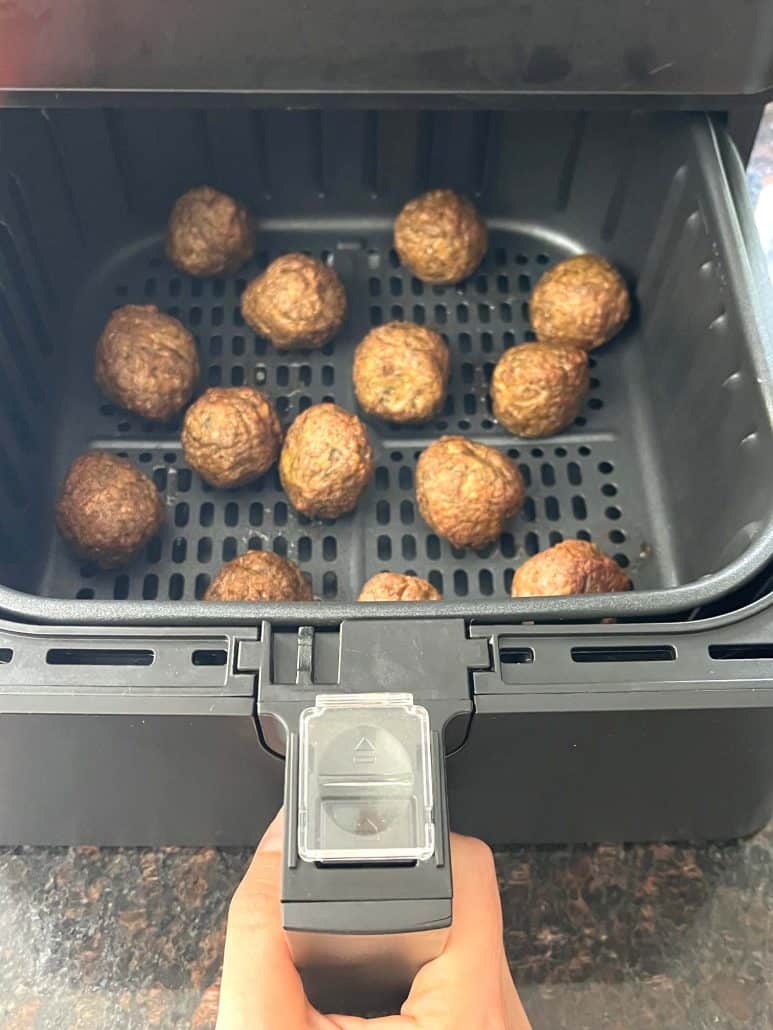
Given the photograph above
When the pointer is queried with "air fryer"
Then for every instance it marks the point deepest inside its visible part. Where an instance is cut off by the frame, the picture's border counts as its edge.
(133, 712)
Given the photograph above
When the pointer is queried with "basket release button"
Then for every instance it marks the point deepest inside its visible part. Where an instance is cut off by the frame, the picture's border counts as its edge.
(365, 786)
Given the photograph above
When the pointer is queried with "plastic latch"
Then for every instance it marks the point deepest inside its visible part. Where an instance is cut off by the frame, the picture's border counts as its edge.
(365, 782)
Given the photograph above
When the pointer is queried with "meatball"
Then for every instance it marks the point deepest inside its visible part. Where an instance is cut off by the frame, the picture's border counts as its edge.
(467, 491)
(298, 302)
(209, 233)
(231, 435)
(581, 302)
(107, 509)
(538, 389)
(401, 372)
(146, 361)
(571, 567)
(326, 461)
(391, 586)
(259, 576)
(441, 237)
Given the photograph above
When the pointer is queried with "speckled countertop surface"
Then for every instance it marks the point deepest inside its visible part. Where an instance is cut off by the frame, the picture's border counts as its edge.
(650, 936)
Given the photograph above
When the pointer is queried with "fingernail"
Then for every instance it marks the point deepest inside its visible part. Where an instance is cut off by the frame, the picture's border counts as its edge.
(273, 837)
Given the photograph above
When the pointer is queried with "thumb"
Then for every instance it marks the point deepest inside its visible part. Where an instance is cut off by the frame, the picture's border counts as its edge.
(466, 985)
(261, 988)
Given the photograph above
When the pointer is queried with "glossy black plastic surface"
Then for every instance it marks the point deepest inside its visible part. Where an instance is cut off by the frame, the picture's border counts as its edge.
(632, 52)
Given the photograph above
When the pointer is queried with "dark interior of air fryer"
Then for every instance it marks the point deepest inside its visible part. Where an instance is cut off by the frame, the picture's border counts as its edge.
(665, 468)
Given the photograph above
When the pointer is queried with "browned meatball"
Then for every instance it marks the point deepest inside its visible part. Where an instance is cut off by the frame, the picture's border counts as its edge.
(231, 435)
(401, 372)
(391, 586)
(581, 302)
(298, 302)
(467, 491)
(107, 509)
(441, 237)
(326, 461)
(571, 567)
(209, 233)
(538, 389)
(146, 361)
(259, 576)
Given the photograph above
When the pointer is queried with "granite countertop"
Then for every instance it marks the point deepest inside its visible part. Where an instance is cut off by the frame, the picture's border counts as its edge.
(647, 936)
(655, 936)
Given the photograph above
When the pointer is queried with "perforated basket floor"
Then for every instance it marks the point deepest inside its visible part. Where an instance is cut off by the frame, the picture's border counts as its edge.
(593, 481)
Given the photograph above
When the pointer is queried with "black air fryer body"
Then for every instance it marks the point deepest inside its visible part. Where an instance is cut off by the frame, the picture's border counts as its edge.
(131, 712)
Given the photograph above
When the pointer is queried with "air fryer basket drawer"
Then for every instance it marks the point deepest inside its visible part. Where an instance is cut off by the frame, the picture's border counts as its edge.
(666, 467)
(149, 735)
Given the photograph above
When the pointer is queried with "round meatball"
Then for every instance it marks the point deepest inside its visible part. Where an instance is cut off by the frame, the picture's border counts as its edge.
(209, 233)
(391, 586)
(259, 576)
(467, 491)
(441, 237)
(298, 302)
(231, 435)
(581, 302)
(401, 372)
(326, 461)
(571, 567)
(146, 361)
(107, 509)
(538, 389)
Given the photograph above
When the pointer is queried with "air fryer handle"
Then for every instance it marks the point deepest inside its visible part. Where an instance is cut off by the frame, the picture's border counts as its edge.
(366, 901)
(360, 930)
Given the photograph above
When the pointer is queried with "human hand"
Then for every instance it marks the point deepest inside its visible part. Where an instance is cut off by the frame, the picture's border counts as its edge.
(467, 986)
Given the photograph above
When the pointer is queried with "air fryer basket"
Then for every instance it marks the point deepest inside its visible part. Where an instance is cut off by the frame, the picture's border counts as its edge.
(666, 468)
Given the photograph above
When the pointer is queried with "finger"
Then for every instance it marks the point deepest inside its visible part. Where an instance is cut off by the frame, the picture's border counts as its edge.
(463, 986)
(470, 983)
(261, 988)
(515, 1014)
(477, 911)
(514, 1017)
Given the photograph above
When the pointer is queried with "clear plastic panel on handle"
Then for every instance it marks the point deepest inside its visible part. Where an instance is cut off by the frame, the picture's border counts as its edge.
(365, 782)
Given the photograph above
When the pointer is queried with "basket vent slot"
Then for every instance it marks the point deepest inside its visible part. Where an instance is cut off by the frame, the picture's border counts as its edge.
(741, 652)
(210, 657)
(636, 653)
(512, 655)
(104, 656)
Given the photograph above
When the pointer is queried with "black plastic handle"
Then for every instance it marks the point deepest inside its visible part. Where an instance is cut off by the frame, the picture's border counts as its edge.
(360, 931)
